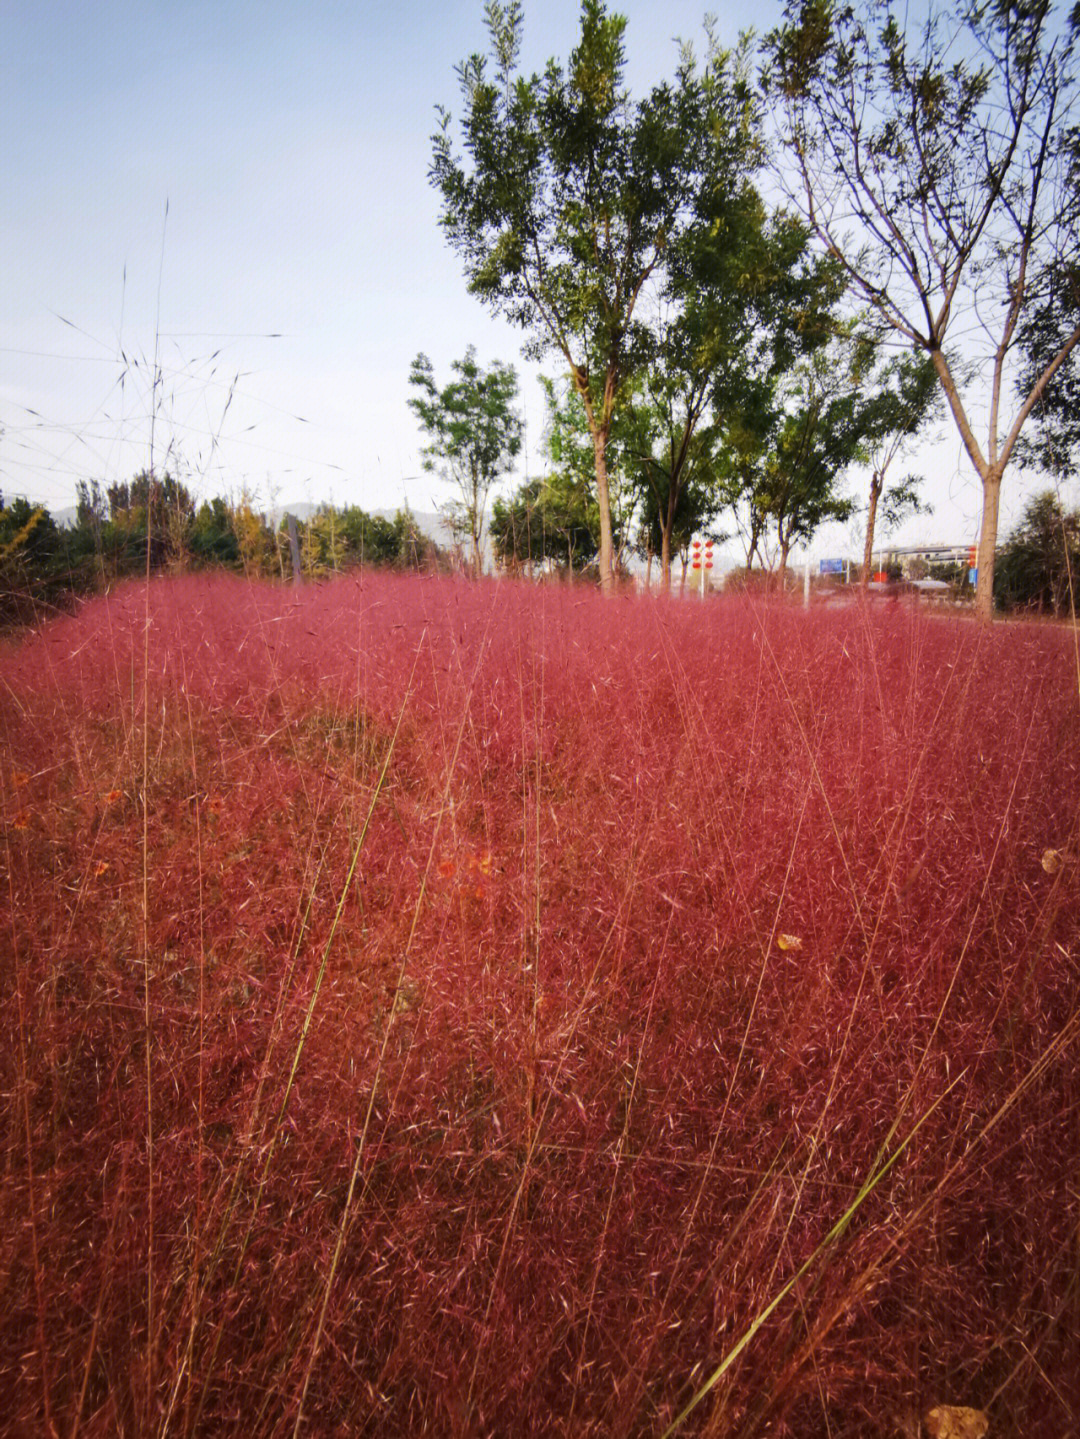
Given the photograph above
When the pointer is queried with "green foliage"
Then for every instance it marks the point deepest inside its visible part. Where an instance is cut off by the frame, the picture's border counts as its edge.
(787, 448)
(332, 540)
(939, 160)
(322, 544)
(553, 520)
(474, 432)
(904, 396)
(821, 434)
(33, 561)
(569, 447)
(1038, 567)
(574, 198)
(746, 301)
(1053, 445)
(373, 539)
(43, 566)
(213, 538)
(160, 505)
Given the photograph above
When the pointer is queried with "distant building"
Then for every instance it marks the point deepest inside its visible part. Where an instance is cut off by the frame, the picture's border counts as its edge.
(933, 556)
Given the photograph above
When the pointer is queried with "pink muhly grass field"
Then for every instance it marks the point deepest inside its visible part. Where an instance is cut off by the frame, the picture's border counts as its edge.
(452, 1009)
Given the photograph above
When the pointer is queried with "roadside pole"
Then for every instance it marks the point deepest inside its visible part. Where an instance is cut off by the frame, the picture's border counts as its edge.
(702, 562)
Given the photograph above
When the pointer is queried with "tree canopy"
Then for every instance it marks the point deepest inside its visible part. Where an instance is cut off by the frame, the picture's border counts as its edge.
(475, 435)
(1039, 564)
(939, 163)
(568, 198)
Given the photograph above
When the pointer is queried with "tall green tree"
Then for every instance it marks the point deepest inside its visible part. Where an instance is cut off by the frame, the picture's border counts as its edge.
(552, 519)
(213, 536)
(819, 436)
(745, 299)
(569, 448)
(785, 461)
(904, 396)
(569, 197)
(1039, 564)
(939, 161)
(148, 515)
(474, 432)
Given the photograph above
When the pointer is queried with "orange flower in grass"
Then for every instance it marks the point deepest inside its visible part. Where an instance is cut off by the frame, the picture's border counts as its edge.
(19, 779)
(114, 796)
(102, 867)
(469, 877)
(21, 819)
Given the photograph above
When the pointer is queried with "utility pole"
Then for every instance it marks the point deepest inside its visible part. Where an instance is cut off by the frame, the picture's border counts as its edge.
(294, 549)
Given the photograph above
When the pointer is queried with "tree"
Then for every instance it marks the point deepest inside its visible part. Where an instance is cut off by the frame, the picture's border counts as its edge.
(787, 447)
(32, 567)
(149, 515)
(745, 299)
(573, 197)
(254, 540)
(1039, 564)
(213, 537)
(323, 543)
(904, 395)
(942, 171)
(552, 519)
(475, 436)
(676, 466)
(1053, 441)
(569, 447)
(821, 431)
(371, 539)
(91, 509)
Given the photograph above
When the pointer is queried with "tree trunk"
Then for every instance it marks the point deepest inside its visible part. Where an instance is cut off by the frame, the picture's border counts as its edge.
(294, 550)
(603, 499)
(984, 588)
(665, 560)
(781, 573)
(871, 519)
(990, 474)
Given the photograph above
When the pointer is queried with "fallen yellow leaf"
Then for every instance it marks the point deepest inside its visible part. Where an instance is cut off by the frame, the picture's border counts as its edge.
(956, 1421)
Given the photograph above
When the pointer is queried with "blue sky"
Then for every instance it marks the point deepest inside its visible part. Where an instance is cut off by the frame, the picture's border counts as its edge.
(290, 143)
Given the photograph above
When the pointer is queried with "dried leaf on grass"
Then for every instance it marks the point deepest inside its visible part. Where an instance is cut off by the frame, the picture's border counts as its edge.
(956, 1421)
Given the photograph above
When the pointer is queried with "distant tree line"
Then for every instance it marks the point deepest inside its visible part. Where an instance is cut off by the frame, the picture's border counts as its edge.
(726, 355)
(547, 523)
(152, 524)
(1038, 567)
